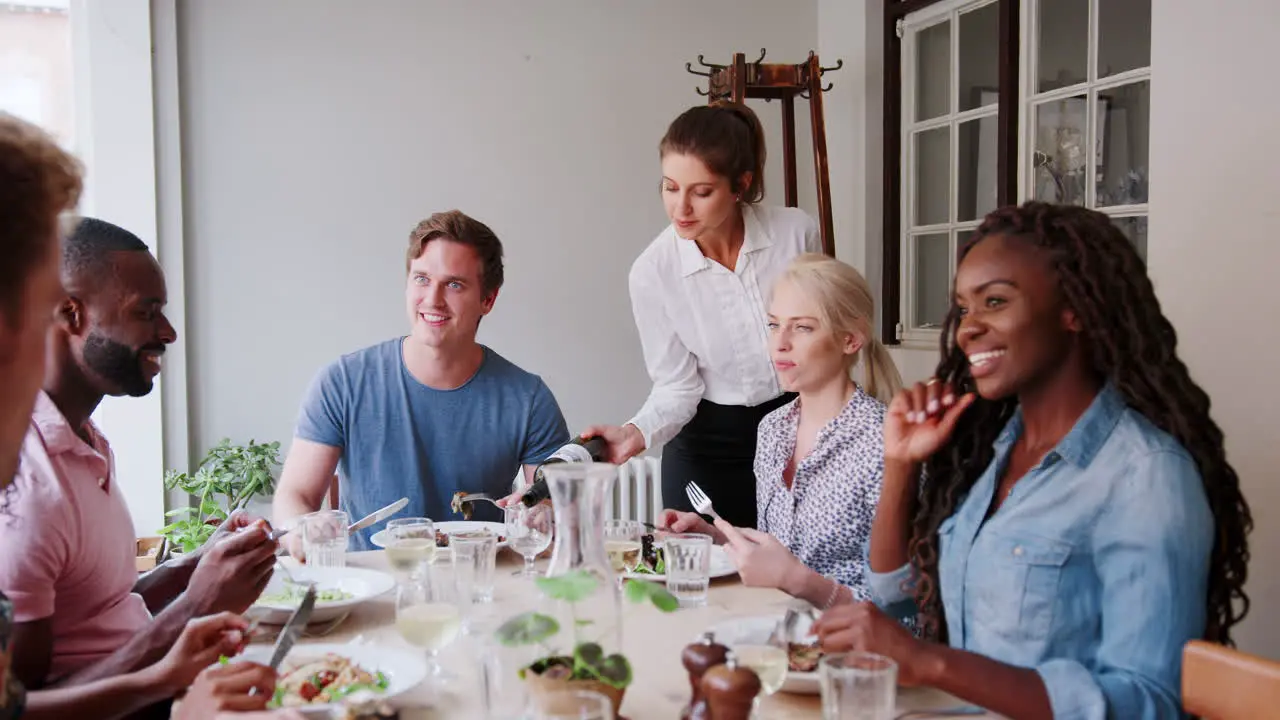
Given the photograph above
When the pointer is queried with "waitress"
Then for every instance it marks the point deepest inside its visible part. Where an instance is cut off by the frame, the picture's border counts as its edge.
(699, 293)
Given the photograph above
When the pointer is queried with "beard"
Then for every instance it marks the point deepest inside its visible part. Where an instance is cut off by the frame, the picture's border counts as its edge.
(119, 364)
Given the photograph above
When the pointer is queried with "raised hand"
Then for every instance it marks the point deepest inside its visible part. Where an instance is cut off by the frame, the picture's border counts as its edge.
(920, 420)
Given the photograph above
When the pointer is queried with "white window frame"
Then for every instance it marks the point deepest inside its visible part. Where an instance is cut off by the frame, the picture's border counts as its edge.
(1029, 99)
(912, 25)
(112, 54)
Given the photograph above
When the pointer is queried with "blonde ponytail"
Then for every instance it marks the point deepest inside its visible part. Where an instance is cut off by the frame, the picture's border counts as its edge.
(881, 379)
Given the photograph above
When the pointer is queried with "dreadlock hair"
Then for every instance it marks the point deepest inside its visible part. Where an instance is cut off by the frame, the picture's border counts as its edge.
(1132, 344)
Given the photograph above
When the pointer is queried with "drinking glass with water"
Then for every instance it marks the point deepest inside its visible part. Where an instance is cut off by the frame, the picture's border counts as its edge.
(412, 545)
(324, 538)
(528, 533)
(688, 559)
(858, 686)
(477, 552)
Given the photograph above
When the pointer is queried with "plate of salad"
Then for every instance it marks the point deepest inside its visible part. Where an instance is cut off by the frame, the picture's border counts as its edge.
(324, 675)
(652, 562)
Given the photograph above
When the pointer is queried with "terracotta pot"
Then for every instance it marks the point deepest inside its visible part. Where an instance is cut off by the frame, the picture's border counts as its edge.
(541, 685)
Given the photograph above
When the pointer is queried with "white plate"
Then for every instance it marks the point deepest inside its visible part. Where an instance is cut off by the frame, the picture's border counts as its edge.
(449, 527)
(756, 631)
(361, 583)
(404, 669)
(721, 566)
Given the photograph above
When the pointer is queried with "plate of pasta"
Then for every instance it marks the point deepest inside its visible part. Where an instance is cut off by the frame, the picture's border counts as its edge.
(338, 590)
(322, 675)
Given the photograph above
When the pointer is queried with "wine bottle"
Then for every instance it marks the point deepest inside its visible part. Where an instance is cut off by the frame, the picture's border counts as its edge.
(578, 450)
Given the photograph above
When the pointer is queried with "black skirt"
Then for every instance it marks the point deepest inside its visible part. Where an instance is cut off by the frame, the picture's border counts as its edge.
(717, 450)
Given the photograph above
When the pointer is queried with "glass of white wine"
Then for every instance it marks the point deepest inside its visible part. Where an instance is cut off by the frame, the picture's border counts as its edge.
(769, 663)
(622, 543)
(412, 545)
(428, 616)
(529, 531)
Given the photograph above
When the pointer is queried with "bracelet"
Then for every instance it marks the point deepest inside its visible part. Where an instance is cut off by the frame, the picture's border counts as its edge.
(835, 593)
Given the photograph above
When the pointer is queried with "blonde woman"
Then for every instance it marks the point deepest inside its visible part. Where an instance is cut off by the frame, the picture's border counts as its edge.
(820, 458)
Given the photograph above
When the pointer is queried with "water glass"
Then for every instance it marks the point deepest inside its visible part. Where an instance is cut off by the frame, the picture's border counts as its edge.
(622, 543)
(478, 552)
(858, 686)
(688, 559)
(324, 538)
(572, 705)
(412, 544)
(528, 533)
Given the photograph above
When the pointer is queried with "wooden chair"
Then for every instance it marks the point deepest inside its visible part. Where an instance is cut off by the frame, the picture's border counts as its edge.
(1219, 683)
(333, 493)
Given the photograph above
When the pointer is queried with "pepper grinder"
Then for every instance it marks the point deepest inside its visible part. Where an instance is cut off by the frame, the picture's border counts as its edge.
(730, 690)
(698, 657)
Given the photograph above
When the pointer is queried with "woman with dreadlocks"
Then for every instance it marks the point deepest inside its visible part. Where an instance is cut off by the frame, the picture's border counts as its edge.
(1057, 506)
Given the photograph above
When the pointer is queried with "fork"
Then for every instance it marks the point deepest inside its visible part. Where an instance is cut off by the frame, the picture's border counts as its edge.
(472, 497)
(700, 501)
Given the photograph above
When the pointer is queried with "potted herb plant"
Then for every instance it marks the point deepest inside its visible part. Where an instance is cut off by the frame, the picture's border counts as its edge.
(587, 667)
(229, 476)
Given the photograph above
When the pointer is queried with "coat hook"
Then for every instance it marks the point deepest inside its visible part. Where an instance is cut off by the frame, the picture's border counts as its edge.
(804, 94)
(828, 87)
(689, 68)
(839, 64)
(700, 91)
(704, 63)
(761, 58)
(810, 55)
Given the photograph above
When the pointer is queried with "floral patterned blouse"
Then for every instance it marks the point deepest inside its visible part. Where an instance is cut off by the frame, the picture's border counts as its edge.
(825, 517)
(12, 696)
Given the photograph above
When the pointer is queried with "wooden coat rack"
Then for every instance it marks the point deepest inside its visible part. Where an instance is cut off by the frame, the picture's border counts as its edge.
(740, 81)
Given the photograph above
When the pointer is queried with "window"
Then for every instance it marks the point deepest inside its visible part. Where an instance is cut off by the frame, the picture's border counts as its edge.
(954, 149)
(1088, 86)
(36, 65)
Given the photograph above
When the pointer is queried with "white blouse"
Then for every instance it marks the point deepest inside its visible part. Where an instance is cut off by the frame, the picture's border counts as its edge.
(702, 326)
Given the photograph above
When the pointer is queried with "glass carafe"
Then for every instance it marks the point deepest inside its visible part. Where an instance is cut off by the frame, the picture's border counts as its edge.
(580, 494)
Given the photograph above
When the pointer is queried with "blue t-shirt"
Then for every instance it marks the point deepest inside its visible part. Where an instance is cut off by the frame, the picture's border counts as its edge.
(400, 438)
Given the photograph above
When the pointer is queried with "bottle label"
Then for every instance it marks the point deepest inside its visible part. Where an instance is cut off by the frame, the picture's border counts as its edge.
(572, 452)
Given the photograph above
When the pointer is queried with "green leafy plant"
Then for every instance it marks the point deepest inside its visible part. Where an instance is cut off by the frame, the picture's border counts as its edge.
(228, 477)
(588, 661)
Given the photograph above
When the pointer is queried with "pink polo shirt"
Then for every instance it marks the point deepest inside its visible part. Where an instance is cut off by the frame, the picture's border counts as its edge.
(67, 548)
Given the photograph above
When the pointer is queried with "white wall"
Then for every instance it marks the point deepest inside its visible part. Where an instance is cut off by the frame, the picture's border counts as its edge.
(314, 141)
(1213, 214)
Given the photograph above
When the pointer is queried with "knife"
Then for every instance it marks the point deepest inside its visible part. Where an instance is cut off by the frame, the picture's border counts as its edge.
(378, 516)
(293, 629)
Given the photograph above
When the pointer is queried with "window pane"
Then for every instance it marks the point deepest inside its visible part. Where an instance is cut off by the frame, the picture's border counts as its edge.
(976, 185)
(980, 57)
(35, 67)
(1062, 43)
(962, 239)
(932, 279)
(933, 71)
(1059, 162)
(1125, 115)
(1124, 36)
(1134, 228)
(933, 176)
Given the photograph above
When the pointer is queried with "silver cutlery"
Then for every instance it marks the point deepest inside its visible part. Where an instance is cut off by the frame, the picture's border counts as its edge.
(377, 516)
(781, 636)
(700, 501)
(293, 629)
(472, 497)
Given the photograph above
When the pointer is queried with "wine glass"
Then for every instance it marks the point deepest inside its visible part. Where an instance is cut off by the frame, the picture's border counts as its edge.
(572, 705)
(769, 663)
(412, 544)
(528, 533)
(428, 616)
(622, 543)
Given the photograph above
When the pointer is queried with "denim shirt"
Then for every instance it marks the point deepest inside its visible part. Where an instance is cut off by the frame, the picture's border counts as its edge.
(1094, 571)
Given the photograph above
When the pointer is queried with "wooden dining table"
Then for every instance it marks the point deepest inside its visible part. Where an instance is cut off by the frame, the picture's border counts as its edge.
(652, 641)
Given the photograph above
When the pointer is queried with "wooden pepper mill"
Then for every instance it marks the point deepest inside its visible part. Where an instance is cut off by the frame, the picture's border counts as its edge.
(730, 690)
(698, 657)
